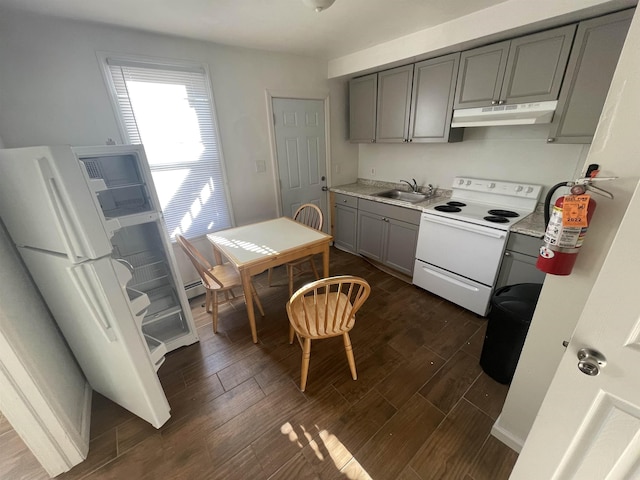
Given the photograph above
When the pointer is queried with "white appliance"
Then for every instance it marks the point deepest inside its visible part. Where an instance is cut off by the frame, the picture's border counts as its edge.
(516, 114)
(87, 223)
(461, 241)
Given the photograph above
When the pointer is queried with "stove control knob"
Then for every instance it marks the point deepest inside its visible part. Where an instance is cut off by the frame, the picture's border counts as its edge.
(519, 188)
(468, 182)
(529, 189)
(461, 181)
(491, 185)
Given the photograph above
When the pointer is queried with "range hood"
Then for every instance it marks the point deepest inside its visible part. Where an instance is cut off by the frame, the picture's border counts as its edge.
(517, 114)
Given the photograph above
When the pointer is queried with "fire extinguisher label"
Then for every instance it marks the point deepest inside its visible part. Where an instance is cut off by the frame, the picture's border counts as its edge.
(562, 236)
(574, 211)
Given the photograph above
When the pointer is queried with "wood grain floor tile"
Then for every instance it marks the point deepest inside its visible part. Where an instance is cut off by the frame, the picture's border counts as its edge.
(5, 426)
(451, 382)
(450, 452)
(16, 461)
(410, 376)
(102, 450)
(451, 338)
(473, 346)
(488, 395)
(494, 462)
(242, 466)
(401, 437)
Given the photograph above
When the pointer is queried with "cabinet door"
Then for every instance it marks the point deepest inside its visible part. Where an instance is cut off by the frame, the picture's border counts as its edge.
(518, 268)
(400, 248)
(593, 60)
(370, 235)
(394, 102)
(346, 227)
(434, 83)
(481, 75)
(362, 108)
(536, 66)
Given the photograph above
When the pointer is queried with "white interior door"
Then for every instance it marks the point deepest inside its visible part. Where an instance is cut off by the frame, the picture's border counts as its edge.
(301, 153)
(589, 426)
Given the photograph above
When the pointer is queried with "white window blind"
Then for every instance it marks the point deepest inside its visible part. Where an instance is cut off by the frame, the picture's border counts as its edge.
(169, 110)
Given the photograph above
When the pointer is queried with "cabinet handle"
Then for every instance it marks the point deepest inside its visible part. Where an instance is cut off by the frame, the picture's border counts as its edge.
(411, 140)
(344, 201)
(373, 140)
(494, 102)
(501, 102)
(507, 254)
(551, 140)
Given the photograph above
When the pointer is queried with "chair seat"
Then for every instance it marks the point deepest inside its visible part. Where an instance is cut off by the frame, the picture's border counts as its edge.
(330, 311)
(227, 275)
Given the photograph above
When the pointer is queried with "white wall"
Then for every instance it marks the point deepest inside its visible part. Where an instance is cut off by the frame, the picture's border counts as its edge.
(516, 153)
(52, 92)
(562, 298)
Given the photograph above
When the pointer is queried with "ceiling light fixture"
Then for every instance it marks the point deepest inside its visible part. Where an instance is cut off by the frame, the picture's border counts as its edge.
(318, 5)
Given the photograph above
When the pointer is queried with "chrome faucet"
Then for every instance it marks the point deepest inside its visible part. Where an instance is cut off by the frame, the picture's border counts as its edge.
(413, 186)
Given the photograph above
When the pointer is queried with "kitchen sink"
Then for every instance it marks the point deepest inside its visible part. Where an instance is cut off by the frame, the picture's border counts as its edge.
(401, 195)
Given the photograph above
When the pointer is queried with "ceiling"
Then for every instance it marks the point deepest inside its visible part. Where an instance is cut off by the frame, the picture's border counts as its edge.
(276, 25)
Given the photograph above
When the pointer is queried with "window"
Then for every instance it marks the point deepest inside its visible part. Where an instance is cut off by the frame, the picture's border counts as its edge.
(169, 109)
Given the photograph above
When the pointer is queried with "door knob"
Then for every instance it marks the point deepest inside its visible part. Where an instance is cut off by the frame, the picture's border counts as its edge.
(590, 361)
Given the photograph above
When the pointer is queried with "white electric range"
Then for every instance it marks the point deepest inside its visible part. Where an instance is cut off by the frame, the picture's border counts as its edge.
(461, 240)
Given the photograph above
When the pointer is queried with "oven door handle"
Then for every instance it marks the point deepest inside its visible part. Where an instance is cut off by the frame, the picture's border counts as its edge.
(469, 227)
(451, 280)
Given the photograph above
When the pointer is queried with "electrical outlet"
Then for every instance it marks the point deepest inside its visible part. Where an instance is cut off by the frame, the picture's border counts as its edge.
(336, 168)
(373, 172)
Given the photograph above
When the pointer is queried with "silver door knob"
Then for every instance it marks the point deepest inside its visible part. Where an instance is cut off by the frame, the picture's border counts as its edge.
(590, 361)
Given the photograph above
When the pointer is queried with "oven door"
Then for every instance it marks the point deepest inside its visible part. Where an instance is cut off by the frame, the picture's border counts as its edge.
(469, 250)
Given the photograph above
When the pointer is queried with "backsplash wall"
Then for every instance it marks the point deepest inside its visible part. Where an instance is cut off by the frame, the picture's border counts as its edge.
(517, 153)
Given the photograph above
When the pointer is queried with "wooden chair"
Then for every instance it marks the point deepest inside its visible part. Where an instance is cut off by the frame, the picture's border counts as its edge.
(326, 308)
(311, 216)
(215, 279)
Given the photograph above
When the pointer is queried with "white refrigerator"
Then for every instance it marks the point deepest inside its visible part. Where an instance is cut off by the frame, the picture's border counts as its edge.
(88, 224)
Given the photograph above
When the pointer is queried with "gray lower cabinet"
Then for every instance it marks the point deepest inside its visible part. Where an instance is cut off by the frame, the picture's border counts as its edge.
(388, 234)
(363, 92)
(522, 70)
(346, 222)
(519, 261)
(590, 69)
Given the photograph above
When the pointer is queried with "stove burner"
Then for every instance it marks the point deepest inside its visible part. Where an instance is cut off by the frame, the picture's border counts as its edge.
(503, 213)
(496, 218)
(447, 208)
(456, 204)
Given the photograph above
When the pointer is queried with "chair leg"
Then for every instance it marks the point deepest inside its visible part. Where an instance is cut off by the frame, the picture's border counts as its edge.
(207, 301)
(313, 267)
(269, 276)
(254, 294)
(349, 350)
(290, 275)
(306, 355)
(214, 311)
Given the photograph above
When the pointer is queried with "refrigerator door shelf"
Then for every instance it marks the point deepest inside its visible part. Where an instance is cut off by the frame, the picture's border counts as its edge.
(163, 304)
(157, 351)
(172, 330)
(139, 301)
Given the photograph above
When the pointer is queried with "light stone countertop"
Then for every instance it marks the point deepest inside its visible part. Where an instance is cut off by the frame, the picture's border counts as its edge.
(531, 225)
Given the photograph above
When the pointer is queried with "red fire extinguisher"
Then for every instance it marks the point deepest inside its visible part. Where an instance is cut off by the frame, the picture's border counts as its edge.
(568, 223)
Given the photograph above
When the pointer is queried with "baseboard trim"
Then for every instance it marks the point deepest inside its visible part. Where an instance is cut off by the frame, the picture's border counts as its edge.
(505, 436)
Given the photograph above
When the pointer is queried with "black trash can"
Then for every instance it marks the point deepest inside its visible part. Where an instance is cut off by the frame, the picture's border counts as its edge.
(509, 318)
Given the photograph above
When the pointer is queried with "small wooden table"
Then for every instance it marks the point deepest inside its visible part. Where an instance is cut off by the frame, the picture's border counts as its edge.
(254, 248)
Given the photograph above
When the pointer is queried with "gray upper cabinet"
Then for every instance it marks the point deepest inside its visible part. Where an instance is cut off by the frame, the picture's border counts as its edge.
(362, 108)
(480, 76)
(593, 60)
(394, 103)
(526, 69)
(434, 84)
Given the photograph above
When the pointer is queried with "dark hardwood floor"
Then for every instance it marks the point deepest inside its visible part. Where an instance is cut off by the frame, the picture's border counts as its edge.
(422, 408)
